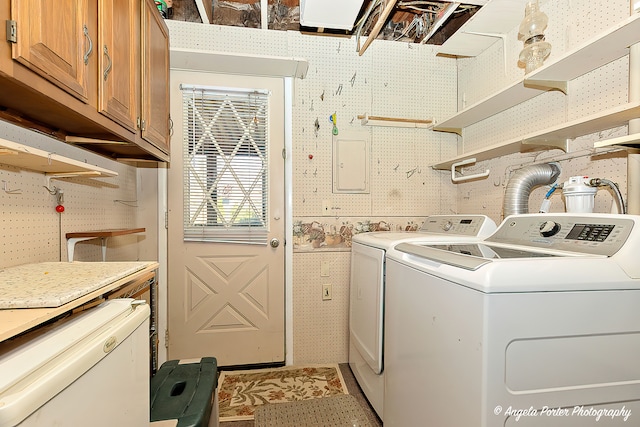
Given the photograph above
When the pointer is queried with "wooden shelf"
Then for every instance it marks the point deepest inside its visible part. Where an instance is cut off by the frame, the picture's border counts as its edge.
(24, 157)
(610, 45)
(556, 137)
(103, 235)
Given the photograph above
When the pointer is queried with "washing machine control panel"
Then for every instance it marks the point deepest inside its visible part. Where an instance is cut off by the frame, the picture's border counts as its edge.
(458, 225)
(599, 234)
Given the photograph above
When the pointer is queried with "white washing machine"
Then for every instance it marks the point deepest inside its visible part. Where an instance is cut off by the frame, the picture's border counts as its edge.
(537, 325)
(367, 291)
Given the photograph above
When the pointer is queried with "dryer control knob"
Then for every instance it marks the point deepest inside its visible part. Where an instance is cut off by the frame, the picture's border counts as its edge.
(549, 228)
(447, 226)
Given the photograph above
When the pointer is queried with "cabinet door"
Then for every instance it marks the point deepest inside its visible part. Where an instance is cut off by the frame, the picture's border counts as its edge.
(155, 77)
(53, 40)
(119, 53)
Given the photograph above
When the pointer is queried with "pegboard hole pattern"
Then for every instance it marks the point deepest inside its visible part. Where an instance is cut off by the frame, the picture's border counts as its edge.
(32, 231)
(571, 22)
(391, 79)
(321, 328)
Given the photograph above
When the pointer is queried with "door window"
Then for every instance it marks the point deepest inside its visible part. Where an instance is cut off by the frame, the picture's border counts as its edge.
(225, 164)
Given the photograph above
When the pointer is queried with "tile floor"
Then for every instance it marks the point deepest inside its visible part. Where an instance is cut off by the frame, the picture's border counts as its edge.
(352, 386)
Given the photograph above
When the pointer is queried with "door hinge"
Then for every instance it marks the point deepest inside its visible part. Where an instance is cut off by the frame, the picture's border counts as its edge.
(166, 338)
(284, 153)
(12, 31)
(166, 220)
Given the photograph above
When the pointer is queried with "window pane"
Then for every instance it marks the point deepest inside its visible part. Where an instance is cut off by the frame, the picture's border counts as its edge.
(225, 165)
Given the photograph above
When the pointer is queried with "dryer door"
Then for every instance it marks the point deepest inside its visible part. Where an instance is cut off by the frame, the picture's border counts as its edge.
(367, 303)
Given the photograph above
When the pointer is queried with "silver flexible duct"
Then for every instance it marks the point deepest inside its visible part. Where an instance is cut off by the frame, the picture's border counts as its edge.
(523, 181)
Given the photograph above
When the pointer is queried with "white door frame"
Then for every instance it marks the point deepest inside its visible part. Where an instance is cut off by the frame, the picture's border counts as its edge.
(288, 217)
(288, 220)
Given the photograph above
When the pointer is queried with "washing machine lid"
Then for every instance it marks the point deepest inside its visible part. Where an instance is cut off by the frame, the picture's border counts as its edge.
(470, 256)
(434, 227)
(537, 253)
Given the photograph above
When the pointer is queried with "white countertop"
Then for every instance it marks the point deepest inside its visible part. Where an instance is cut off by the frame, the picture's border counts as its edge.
(52, 284)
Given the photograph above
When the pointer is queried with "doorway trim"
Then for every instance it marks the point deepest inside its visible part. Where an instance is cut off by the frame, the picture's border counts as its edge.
(288, 69)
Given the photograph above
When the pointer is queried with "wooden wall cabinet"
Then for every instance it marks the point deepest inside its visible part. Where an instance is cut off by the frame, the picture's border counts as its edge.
(79, 71)
(155, 122)
(118, 58)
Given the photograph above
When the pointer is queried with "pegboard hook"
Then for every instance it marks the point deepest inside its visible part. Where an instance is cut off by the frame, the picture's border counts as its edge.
(5, 188)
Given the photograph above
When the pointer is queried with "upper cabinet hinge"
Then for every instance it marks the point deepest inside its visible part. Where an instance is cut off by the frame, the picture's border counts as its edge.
(12, 31)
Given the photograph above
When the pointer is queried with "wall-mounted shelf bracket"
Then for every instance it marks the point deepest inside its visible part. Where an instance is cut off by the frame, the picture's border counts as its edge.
(49, 176)
(462, 178)
(547, 85)
(562, 144)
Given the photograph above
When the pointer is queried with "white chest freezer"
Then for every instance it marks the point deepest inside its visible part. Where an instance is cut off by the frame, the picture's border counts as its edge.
(91, 369)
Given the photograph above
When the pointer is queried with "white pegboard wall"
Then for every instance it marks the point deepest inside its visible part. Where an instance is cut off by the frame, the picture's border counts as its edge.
(600, 89)
(390, 79)
(571, 23)
(589, 94)
(190, 35)
(486, 196)
(337, 82)
(31, 229)
(542, 112)
(380, 82)
(321, 332)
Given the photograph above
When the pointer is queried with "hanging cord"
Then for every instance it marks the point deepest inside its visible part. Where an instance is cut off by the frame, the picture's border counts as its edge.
(602, 182)
(546, 203)
(60, 237)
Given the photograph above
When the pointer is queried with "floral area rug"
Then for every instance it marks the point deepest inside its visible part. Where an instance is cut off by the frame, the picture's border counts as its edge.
(240, 392)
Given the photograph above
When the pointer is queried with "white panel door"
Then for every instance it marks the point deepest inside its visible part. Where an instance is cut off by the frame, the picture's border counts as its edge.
(226, 300)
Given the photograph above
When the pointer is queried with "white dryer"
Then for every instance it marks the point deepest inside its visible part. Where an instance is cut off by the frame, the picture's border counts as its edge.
(537, 325)
(366, 313)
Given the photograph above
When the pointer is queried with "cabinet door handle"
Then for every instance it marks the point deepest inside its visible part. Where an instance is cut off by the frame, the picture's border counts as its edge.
(85, 30)
(108, 69)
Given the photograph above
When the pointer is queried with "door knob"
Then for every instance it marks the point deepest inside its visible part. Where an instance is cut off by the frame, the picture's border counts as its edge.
(274, 243)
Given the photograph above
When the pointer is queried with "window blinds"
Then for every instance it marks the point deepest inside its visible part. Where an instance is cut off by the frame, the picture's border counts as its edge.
(225, 164)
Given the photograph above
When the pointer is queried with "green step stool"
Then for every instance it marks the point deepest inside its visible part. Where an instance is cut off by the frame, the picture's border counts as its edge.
(185, 391)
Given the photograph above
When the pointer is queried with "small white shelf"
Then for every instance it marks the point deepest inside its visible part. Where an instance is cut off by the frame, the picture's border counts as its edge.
(627, 141)
(230, 63)
(556, 136)
(602, 49)
(51, 164)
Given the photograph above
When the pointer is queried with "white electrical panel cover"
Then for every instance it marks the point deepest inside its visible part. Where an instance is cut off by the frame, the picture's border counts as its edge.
(351, 162)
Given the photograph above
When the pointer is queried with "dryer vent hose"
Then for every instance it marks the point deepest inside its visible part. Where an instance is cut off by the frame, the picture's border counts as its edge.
(523, 181)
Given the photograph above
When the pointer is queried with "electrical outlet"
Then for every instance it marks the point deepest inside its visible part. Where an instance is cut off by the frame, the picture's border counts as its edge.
(326, 292)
